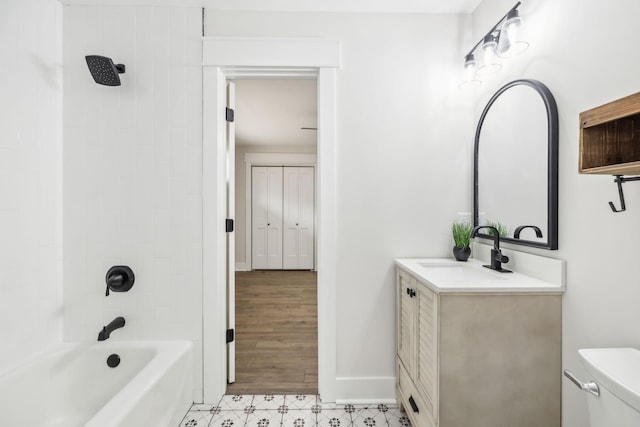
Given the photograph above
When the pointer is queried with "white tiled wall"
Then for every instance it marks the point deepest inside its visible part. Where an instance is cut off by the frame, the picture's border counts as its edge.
(132, 174)
(30, 177)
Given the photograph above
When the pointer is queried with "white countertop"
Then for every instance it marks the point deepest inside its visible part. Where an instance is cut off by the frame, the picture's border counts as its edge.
(450, 276)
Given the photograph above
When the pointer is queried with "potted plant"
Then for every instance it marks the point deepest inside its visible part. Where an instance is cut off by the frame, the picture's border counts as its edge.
(462, 239)
(503, 230)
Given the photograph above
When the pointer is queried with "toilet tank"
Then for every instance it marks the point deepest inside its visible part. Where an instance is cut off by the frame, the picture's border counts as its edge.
(617, 373)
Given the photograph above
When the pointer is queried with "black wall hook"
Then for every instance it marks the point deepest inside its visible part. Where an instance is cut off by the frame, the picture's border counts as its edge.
(619, 180)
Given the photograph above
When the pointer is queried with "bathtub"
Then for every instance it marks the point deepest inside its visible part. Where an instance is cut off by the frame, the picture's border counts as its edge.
(73, 386)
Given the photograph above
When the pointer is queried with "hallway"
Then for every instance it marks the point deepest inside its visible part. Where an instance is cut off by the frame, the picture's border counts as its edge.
(276, 333)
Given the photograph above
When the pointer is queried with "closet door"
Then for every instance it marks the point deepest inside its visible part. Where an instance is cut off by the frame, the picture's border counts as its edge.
(298, 218)
(266, 196)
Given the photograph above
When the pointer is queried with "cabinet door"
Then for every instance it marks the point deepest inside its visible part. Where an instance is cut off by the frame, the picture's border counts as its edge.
(406, 321)
(298, 240)
(426, 377)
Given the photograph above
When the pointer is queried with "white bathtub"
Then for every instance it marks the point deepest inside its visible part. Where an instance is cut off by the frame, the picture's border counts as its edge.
(73, 386)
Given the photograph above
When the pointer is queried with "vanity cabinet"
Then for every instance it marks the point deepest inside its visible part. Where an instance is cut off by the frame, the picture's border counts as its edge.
(485, 359)
(417, 348)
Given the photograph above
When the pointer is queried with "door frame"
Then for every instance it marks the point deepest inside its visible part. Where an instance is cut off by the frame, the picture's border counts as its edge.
(232, 58)
(274, 159)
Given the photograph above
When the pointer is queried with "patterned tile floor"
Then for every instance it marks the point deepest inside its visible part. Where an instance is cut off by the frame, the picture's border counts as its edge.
(291, 411)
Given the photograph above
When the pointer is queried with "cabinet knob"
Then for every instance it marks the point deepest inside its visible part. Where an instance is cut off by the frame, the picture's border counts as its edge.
(411, 292)
(268, 224)
(297, 224)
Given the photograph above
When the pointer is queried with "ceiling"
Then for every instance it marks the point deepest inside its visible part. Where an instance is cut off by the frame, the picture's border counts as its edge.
(271, 112)
(386, 6)
(376, 6)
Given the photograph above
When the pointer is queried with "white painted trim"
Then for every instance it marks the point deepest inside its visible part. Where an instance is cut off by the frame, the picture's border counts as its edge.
(214, 244)
(242, 266)
(222, 58)
(272, 52)
(269, 159)
(327, 234)
(281, 159)
(299, 73)
(366, 390)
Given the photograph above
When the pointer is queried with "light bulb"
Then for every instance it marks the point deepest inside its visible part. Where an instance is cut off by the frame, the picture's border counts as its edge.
(469, 61)
(511, 42)
(490, 63)
(469, 71)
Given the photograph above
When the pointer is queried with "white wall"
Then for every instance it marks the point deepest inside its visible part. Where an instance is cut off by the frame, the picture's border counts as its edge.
(585, 52)
(403, 164)
(30, 178)
(133, 174)
(241, 191)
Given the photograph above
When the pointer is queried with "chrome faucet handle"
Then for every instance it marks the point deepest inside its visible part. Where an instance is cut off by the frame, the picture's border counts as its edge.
(590, 387)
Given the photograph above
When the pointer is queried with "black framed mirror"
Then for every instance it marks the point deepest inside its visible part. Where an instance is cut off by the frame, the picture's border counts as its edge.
(515, 171)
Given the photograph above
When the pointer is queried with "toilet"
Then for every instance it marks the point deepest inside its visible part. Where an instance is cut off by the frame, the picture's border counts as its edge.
(615, 374)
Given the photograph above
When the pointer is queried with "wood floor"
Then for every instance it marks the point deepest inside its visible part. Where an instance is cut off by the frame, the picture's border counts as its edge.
(276, 333)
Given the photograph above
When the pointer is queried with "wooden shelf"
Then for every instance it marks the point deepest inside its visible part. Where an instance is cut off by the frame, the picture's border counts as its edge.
(610, 138)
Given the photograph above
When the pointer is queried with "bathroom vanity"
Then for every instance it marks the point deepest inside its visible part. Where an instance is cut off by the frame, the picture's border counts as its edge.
(475, 347)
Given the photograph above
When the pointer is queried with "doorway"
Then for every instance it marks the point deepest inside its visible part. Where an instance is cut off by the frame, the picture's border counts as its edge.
(276, 314)
(231, 57)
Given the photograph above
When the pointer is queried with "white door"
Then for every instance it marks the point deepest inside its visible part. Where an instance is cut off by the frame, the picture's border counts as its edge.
(298, 239)
(231, 269)
(266, 208)
(306, 236)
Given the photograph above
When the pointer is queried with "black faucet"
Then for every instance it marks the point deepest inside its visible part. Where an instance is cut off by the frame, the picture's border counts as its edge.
(116, 323)
(496, 255)
(516, 234)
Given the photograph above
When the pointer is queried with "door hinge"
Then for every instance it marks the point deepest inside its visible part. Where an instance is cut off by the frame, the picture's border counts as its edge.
(230, 114)
(228, 225)
(230, 335)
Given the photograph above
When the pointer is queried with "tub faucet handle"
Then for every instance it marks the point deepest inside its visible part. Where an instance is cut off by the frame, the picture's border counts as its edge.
(120, 278)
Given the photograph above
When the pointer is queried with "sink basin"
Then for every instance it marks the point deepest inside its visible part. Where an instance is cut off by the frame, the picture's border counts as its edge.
(460, 272)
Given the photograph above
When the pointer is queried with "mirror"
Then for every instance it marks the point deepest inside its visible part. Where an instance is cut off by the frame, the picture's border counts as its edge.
(516, 165)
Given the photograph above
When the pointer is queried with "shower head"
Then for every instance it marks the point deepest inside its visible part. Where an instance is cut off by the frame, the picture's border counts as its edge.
(104, 71)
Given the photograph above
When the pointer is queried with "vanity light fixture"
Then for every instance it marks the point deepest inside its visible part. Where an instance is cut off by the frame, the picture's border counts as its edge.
(469, 61)
(490, 64)
(469, 68)
(511, 41)
(503, 40)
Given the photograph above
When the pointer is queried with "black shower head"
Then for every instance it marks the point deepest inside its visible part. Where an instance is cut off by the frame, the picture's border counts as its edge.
(104, 71)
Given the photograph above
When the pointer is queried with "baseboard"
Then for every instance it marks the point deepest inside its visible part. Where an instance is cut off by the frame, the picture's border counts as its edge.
(241, 266)
(366, 390)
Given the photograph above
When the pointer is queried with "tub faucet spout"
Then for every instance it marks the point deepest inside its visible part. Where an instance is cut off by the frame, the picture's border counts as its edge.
(116, 323)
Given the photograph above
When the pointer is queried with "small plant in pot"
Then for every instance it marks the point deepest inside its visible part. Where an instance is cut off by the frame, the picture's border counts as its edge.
(462, 239)
(503, 230)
